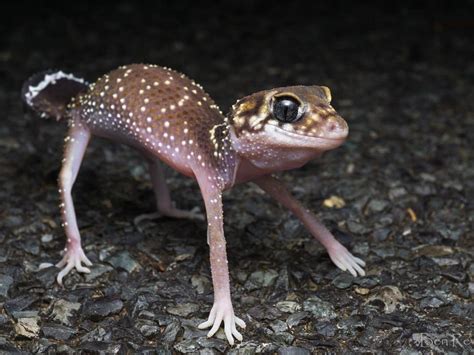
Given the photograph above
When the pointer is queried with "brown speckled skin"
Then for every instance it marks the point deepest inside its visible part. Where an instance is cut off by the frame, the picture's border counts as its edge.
(162, 113)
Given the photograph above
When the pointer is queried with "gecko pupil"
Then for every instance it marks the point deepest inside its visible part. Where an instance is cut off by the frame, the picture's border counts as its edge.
(286, 109)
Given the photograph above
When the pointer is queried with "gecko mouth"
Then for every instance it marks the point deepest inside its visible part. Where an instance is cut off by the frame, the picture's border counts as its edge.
(318, 142)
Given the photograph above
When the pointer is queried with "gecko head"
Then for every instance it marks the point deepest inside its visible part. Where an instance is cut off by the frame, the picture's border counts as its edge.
(287, 119)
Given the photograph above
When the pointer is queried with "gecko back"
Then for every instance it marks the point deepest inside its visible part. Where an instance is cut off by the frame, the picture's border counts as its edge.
(157, 110)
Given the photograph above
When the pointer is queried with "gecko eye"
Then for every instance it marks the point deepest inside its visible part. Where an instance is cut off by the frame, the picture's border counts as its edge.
(286, 109)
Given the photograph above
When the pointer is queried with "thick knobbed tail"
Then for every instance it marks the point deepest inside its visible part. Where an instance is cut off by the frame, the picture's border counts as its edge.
(49, 92)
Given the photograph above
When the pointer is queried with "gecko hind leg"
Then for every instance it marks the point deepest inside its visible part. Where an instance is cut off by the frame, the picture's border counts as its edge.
(164, 203)
(76, 144)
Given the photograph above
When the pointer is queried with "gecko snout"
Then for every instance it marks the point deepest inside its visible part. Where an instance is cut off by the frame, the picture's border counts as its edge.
(336, 127)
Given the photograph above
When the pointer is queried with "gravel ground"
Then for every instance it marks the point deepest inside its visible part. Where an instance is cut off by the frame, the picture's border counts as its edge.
(402, 77)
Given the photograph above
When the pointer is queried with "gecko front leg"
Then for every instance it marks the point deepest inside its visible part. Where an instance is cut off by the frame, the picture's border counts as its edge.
(222, 309)
(338, 253)
(76, 144)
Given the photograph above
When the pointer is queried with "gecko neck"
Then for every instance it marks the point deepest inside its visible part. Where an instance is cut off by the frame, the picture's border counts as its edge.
(253, 162)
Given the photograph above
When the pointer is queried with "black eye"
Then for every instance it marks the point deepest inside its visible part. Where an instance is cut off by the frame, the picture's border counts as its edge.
(286, 109)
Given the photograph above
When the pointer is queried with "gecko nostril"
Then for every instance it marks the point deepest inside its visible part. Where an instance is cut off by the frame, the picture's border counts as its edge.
(336, 127)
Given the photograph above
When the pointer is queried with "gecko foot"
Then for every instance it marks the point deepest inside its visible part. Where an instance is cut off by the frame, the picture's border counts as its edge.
(194, 214)
(223, 311)
(73, 258)
(344, 260)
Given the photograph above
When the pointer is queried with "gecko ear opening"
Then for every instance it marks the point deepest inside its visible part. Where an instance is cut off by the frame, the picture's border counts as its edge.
(327, 93)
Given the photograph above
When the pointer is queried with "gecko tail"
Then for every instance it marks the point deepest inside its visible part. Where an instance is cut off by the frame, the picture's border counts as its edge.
(49, 92)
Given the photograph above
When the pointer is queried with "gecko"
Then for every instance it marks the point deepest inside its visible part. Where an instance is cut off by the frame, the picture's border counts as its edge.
(170, 119)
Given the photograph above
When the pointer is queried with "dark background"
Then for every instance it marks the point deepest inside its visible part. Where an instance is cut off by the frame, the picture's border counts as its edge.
(401, 73)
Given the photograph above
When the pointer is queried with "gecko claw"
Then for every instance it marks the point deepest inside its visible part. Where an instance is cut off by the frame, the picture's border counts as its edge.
(73, 258)
(224, 312)
(345, 261)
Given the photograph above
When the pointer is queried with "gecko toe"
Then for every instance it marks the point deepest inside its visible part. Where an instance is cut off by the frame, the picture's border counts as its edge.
(339, 264)
(81, 268)
(62, 263)
(205, 324)
(228, 329)
(196, 214)
(210, 319)
(216, 325)
(359, 261)
(235, 332)
(144, 217)
(240, 322)
(351, 269)
(64, 272)
(360, 270)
